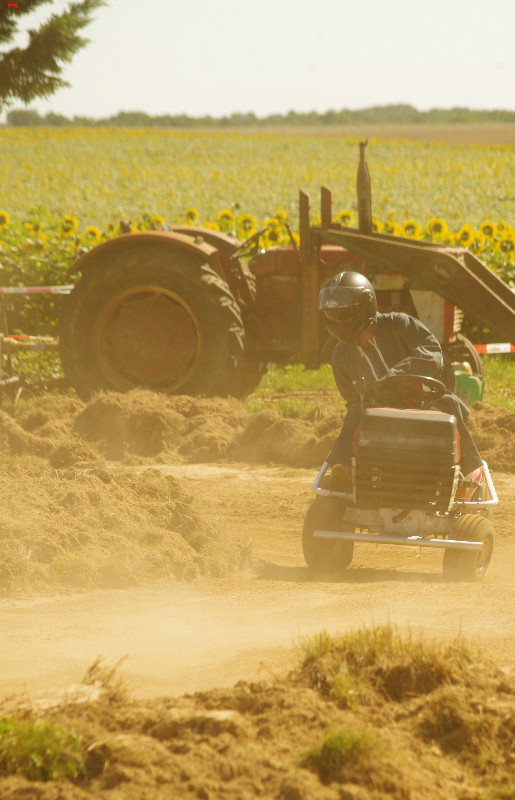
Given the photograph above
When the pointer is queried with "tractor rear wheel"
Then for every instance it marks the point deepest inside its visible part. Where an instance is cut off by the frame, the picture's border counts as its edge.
(326, 555)
(469, 565)
(152, 317)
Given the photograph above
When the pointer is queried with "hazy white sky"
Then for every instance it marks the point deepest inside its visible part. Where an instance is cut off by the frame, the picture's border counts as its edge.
(222, 56)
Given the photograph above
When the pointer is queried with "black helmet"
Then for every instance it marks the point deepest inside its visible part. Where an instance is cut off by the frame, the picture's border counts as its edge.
(350, 305)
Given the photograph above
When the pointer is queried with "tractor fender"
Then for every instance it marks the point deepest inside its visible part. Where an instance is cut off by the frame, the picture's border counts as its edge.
(235, 271)
(205, 252)
(226, 245)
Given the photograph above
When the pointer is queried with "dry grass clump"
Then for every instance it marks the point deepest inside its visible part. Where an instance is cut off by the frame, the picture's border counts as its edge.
(383, 660)
(149, 425)
(72, 520)
(355, 755)
(343, 755)
(492, 427)
(48, 413)
(87, 526)
(112, 686)
(454, 699)
(466, 727)
(143, 426)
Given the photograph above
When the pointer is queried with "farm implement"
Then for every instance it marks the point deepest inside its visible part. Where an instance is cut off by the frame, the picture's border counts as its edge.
(190, 310)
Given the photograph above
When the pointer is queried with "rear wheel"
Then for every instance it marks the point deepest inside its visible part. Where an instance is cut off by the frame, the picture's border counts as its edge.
(326, 555)
(469, 565)
(153, 317)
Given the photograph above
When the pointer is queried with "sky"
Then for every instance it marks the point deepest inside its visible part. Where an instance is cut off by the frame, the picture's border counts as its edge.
(219, 57)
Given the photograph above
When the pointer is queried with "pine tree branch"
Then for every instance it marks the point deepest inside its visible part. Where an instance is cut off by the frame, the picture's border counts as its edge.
(35, 71)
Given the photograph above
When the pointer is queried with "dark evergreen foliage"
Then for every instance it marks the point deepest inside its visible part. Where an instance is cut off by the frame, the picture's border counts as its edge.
(35, 70)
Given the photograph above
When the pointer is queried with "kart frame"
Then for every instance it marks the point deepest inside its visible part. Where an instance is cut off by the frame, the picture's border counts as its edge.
(404, 527)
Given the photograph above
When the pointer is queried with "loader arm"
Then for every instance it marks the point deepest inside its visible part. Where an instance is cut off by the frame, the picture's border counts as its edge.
(454, 273)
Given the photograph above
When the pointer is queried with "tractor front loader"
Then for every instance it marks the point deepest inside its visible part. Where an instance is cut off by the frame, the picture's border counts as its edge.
(189, 310)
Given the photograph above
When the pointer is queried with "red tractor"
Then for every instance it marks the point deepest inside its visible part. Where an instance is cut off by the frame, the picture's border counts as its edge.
(189, 310)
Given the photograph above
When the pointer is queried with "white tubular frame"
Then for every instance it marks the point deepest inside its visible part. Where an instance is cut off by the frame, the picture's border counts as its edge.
(443, 523)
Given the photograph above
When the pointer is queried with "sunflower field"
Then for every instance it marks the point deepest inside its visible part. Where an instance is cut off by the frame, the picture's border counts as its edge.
(63, 190)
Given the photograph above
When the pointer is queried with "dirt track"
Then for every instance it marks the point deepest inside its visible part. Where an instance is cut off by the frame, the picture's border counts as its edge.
(213, 632)
(135, 526)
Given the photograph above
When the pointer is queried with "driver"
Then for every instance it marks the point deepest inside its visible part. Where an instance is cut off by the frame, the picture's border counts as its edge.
(372, 345)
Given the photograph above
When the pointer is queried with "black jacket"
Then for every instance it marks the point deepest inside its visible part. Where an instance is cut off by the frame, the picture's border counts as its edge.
(403, 345)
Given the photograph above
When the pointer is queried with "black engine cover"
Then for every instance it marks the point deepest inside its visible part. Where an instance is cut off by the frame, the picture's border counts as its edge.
(405, 459)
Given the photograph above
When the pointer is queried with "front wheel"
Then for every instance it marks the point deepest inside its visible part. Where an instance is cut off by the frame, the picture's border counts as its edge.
(326, 555)
(469, 565)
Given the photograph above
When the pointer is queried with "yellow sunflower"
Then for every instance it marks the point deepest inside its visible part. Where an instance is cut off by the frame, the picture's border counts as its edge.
(272, 236)
(345, 217)
(506, 244)
(4, 219)
(465, 235)
(68, 225)
(226, 219)
(488, 229)
(213, 226)
(92, 234)
(437, 228)
(247, 223)
(412, 229)
(191, 215)
(393, 227)
(377, 226)
(481, 243)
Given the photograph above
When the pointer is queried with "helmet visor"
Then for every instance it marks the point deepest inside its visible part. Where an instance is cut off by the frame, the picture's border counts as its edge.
(347, 314)
(338, 297)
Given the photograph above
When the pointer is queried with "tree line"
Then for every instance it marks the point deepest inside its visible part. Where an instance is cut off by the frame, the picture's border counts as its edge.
(387, 114)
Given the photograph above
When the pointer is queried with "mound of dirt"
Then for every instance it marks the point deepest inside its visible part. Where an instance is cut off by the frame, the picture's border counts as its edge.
(69, 522)
(143, 426)
(493, 429)
(290, 738)
(76, 513)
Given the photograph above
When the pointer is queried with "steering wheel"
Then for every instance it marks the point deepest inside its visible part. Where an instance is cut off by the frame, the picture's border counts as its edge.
(251, 242)
(408, 391)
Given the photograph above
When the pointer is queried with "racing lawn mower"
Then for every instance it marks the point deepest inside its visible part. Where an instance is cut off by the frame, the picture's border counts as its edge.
(407, 487)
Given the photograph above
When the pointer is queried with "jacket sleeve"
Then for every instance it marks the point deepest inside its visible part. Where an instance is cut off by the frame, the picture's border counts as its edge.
(343, 380)
(425, 354)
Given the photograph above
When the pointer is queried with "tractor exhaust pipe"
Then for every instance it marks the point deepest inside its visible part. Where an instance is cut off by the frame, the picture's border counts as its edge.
(364, 192)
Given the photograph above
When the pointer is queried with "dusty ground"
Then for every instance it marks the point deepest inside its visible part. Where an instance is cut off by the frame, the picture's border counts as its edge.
(203, 636)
